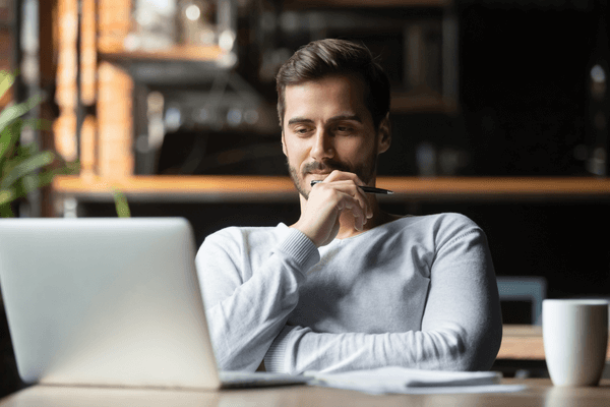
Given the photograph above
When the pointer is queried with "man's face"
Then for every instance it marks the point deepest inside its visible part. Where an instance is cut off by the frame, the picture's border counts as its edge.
(327, 127)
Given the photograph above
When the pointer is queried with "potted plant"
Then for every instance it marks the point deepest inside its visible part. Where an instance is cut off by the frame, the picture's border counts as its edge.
(23, 167)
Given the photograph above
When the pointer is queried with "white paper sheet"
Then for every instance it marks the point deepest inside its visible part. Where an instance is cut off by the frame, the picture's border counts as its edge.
(413, 381)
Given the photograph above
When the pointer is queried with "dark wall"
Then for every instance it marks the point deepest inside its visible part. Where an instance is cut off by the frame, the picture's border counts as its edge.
(564, 242)
(523, 78)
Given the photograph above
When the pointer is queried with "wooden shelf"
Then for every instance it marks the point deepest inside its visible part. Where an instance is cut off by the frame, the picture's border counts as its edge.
(482, 188)
(177, 53)
(181, 188)
(232, 188)
(524, 342)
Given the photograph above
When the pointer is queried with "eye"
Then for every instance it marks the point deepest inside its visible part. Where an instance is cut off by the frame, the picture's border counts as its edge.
(343, 129)
(301, 131)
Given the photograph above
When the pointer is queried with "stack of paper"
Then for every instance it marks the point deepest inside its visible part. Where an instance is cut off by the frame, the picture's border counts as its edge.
(413, 381)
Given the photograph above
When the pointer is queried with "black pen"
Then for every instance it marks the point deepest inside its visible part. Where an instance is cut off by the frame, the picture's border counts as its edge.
(370, 190)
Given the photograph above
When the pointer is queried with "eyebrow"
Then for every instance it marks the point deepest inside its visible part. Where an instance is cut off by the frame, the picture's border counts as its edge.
(354, 117)
(299, 120)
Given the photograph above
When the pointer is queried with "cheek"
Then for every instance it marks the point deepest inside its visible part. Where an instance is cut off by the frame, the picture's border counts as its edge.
(294, 150)
(360, 151)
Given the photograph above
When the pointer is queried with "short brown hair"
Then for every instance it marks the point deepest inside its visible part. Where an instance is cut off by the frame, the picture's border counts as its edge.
(330, 57)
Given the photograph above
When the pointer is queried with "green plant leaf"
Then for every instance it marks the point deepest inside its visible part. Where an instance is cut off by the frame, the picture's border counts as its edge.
(68, 168)
(8, 139)
(120, 202)
(26, 184)
(31, 182)
(10, 163)
(6, 81)
(6, 211)
(11, 160)
(45, 178)
(38, 124)
(16, 111)
(27, 150)
(34, 181)
(6, 196)
(26, 166)
(23, 168)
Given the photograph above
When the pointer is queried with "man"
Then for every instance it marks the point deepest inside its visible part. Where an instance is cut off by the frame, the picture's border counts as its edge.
(347, 286)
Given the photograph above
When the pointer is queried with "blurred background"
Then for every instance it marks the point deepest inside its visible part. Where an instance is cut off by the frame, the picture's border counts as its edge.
(172, 102)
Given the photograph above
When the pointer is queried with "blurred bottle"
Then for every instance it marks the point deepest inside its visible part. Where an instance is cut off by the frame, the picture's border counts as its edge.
(425, 158)
(155, 27)
(597, 97)
(196, 20)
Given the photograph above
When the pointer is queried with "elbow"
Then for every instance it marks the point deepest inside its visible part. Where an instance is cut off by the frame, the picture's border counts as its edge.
(456, 350)
(441, 349)
(455, 354)
(476, 352)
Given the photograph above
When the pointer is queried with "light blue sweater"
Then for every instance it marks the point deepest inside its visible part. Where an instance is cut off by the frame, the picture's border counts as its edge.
(418, 292)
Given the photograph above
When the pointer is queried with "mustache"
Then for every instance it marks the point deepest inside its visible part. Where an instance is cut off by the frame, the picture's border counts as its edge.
(326, 165)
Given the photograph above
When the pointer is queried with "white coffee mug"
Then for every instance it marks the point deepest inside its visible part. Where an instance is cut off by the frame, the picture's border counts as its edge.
(575, 334)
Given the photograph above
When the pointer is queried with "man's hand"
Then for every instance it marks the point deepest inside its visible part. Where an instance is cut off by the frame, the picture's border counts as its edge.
(327, 200)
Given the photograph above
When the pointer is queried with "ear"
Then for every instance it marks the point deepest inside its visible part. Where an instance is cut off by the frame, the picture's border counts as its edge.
(385, 135)
(284, 145)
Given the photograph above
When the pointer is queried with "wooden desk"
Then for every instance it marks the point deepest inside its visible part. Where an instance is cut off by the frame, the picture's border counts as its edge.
(524, 342)
(539, 393)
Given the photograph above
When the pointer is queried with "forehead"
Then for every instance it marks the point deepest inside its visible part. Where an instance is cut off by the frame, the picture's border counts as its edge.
(325, 97)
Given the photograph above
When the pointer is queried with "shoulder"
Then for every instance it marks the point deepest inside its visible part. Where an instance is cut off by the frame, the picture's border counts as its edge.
(437, 222)
(441, 228)
(451, 224)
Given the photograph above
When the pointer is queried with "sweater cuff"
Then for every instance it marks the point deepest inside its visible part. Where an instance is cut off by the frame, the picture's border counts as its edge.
(296, 246)
(276, 354)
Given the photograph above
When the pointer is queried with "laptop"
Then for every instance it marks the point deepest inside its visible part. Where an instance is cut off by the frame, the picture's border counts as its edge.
(110, 302)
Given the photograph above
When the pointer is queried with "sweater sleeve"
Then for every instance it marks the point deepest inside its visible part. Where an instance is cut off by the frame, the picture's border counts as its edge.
(245, 314)
(461, 327)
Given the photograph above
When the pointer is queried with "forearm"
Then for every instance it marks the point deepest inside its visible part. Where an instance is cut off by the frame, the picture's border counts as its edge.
(298, 349)
(243, 325)
(244, 318)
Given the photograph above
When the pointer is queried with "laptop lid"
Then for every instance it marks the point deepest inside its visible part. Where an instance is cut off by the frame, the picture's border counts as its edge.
(105, 302)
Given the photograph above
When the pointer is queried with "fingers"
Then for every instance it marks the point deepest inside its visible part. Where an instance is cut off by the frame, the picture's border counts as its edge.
(347, 196)
(337, 175)
(348, 203)
(338, 195)
(363, 201)
(348, 182)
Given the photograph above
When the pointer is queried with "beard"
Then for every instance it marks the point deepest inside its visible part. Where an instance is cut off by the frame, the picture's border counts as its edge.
(365, 171)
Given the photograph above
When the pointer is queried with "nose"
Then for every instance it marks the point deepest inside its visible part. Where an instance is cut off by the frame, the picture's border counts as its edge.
(323, 147)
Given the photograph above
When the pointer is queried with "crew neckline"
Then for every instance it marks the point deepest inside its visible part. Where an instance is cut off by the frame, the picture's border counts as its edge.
(366, 232)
